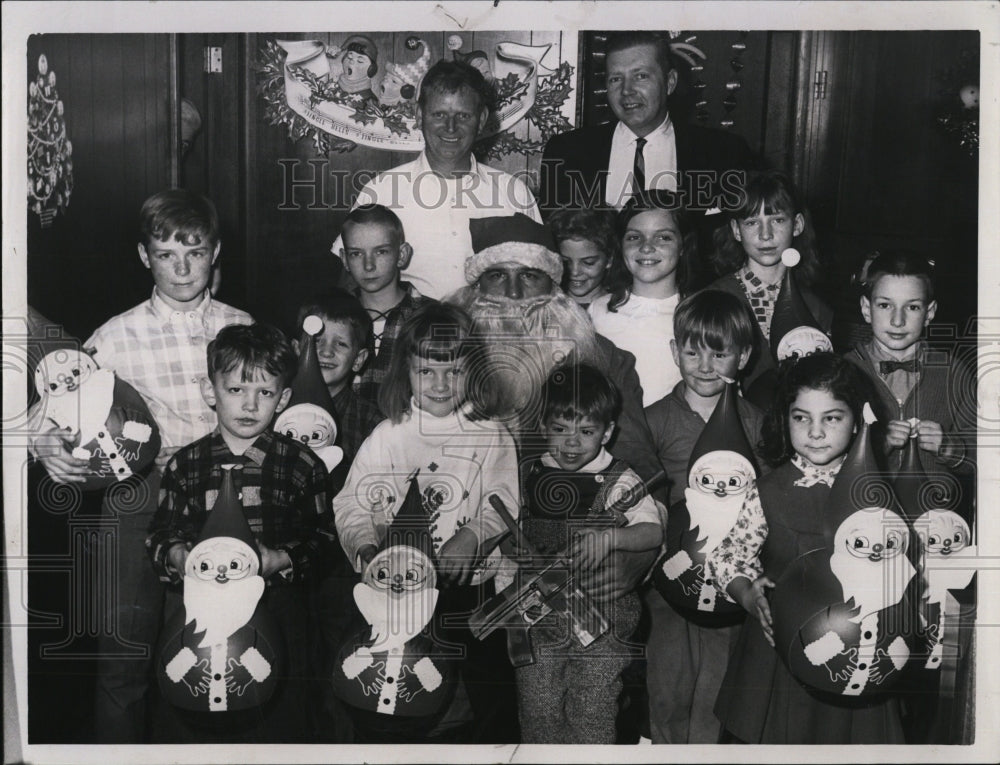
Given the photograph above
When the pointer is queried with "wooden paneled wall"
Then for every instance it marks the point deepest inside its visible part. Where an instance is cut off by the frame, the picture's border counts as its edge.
(115, 89)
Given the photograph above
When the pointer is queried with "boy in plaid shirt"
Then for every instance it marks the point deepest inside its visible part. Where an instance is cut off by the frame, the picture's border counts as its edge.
(374, 252)
(283, 491)
(158, 347)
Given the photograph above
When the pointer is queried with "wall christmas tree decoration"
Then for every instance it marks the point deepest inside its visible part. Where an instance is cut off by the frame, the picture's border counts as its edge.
(50, 152)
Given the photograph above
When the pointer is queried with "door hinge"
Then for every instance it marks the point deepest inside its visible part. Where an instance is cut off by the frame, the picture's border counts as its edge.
(213, 60)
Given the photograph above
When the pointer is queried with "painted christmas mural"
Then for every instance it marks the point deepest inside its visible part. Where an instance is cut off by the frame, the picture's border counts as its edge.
(361, 90)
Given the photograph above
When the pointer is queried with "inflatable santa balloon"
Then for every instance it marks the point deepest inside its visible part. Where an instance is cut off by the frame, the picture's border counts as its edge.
(721, 470)
(114, 430)
(393, 666)
(222, 652)
(946, 555)
(310, 417)
(794, 332)
(844, 614)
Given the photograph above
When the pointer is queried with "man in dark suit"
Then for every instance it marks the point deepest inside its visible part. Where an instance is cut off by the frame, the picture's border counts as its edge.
(643, 148)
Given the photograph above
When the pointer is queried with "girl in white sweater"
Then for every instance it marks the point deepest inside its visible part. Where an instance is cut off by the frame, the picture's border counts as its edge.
(431, 428)
(647, 282)
(458, 461)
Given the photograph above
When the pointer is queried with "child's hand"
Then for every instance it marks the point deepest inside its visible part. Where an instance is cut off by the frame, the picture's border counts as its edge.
(176, 558)
(273, 561)
(53, 448)
(929, 436)
(754, 600)
(897, 433)
(457, 557)
(590, 547)
(520, 555)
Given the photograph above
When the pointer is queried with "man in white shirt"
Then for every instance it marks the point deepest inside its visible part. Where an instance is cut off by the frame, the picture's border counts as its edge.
(643, 149)
(437, 194)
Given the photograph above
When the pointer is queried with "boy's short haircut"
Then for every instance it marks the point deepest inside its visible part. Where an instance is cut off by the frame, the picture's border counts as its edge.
(374, 214)
(900, 263)
(580, 390)
(714, 319)
(253, 347)
(596, 225)
(186, 216)
(336, 304)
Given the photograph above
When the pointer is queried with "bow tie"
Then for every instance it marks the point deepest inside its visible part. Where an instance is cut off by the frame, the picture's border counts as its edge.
(888, 367)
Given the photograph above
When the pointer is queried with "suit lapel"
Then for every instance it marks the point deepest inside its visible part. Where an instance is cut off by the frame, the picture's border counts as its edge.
(601, 156)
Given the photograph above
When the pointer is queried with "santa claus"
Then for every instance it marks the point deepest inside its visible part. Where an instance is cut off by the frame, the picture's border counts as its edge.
(531, 326)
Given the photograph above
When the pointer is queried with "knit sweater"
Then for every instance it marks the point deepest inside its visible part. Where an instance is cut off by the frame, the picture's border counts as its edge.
(461, 462)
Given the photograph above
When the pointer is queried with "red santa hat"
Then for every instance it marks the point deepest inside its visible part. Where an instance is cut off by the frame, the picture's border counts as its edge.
(411, 526)
(226, 519)
(792, 324)
(724, 432)
(308, 386)
(511, 239)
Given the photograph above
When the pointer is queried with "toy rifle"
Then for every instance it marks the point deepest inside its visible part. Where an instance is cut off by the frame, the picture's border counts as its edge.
(553, 589)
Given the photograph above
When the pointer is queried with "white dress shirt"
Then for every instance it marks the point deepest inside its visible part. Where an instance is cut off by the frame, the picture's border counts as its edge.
(659, 160)
(435, 212)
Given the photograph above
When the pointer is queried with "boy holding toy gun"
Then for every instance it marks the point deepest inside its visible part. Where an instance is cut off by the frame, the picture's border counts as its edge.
(569, 693)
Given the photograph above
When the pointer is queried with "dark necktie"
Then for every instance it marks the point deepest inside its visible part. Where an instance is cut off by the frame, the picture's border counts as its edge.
(888, 367)
(639, 168)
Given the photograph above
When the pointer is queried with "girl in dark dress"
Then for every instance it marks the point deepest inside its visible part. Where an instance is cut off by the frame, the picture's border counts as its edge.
(816, 414)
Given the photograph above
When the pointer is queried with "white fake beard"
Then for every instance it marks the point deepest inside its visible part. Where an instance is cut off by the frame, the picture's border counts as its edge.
(714, 516)
(874, 585)
(545, 329)
(86, 408)
(395, 619)
(220, 609)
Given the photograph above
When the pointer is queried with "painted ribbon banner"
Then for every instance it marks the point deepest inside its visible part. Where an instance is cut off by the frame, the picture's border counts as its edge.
(311, 92)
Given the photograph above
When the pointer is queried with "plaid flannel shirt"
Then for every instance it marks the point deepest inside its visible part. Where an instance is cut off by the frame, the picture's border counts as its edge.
(283, 487)
(368, 382)
(356, 419)
(162, 354)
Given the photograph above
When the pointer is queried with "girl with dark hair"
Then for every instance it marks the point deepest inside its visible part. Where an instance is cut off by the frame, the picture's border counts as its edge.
(647, 281)
(816, 414)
